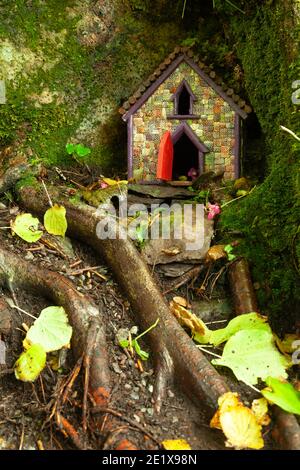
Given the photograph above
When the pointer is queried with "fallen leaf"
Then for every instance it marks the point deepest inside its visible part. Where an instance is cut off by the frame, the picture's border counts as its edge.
(238, 423)
(251, 354)
(111, 182)
(241, 322)
(285, 345)
(51, 330)
(176, 444)
(282, 394)
(188, 319)
(180, 301)
(260, 409)
(30, 363)
(55, 221)
(26, 227)
(171, 251)
(215, 252)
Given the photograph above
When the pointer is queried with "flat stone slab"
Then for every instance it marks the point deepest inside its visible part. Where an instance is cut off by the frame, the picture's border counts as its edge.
(190, 248)
(160, 191)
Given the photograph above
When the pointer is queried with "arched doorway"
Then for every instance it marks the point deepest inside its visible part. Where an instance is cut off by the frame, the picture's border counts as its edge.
(188, 152)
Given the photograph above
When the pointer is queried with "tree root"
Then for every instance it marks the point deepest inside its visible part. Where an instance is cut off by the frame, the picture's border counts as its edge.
(80, 309)
(287, 430)
(175, 354)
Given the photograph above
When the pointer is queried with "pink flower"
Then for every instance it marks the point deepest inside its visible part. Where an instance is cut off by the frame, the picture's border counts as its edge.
(192, 173)
(213, 210)
(103, 185)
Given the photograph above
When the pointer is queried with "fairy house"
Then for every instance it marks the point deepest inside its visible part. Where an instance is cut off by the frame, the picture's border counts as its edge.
(183, 121)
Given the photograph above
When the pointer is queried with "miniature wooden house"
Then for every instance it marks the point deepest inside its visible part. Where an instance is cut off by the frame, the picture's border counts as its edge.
(182, 123)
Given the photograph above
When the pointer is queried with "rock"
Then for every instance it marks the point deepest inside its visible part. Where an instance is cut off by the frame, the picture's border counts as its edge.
(192, 246)
(29, 256)
(116, 368)
(6, 318)
(173, 269)
(215, 308)
(2, 353)
(161, 192)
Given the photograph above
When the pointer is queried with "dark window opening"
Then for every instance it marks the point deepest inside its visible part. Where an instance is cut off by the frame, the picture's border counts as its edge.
(185, 159)
(184, 103)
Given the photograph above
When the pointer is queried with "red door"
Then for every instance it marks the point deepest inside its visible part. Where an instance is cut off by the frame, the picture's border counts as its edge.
(165, 158)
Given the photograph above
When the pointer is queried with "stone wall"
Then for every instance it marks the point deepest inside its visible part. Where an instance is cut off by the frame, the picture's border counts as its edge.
(215, 128)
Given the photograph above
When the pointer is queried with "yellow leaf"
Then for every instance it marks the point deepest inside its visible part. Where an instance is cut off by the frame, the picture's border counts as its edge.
(285, 345)
(238, 423)
(188, 319)
(180, 301)
(176, 444)
(112, 182)
(55, 221)
(216, 252)
(260, 409)
(241, 428)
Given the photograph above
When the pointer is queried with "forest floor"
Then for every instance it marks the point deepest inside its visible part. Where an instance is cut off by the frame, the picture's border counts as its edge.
(27, 409)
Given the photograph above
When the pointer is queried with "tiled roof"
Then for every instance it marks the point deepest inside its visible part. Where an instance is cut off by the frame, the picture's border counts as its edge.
(165, 68)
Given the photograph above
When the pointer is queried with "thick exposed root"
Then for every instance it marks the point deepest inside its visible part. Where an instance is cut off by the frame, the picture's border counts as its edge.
(16, 272)
(287, 429)
(175, 354)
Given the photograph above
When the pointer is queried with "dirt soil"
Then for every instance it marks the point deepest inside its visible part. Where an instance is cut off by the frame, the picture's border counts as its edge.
(25, 408)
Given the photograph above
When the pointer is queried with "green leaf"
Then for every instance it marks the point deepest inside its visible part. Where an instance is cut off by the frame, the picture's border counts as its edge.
(242, 322)
(70, 148)
(51, 330)
(55, 220)
(124, 343)
(30, 363)
(251, 354)
(283, 394)
(82, 151)
(143, 354)
(26, 227)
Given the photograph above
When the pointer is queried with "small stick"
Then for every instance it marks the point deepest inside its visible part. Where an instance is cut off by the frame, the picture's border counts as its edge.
(73, 265)
(208, 352)
(189, 276)
(66, 427)
(48, 195)
(71, 380)
(24, 311)
(131, 422)
(22, 436)
(83, 270)
(90, 346)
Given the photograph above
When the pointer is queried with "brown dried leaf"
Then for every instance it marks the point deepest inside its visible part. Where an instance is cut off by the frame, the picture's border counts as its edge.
(215, 252)
(171, 251)
(188, 319)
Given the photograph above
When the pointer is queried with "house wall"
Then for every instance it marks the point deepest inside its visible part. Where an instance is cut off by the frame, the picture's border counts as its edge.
(215, 128)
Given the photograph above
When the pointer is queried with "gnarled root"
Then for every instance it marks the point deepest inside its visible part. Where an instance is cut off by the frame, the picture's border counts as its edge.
(174, 351)
(287, 429)
(17, 272)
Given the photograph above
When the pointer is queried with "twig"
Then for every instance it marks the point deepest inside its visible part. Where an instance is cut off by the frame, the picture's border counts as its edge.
(48, 195)
(186, 277)
(290, 132)
(118, 414)
(22, 436)
(208, 352)
(24, 311)
(71, 379)
(240, 197)
(66, 427)
(90, 347)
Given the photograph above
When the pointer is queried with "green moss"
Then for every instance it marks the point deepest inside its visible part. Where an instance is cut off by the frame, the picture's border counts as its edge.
(27, 180)
(270, 216)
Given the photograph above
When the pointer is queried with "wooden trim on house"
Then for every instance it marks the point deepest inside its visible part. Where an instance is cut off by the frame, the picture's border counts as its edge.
(167, 68)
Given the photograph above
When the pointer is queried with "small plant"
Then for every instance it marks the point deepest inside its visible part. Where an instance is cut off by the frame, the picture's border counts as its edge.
(230, 255)
(78, 152)
(126, 341)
